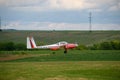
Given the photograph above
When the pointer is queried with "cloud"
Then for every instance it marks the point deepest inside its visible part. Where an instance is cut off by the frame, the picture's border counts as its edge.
(44, 5)
(24, 14)
(70, 4)
(13, 3)
(115, 7)
(58, 26)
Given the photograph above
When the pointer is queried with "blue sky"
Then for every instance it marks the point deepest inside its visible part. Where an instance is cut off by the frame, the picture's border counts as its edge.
(60, 14)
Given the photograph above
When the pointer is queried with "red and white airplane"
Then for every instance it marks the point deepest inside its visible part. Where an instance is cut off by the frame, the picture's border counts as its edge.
(32, 45)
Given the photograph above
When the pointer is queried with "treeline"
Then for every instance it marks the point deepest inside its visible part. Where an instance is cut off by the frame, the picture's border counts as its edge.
(10, 46)
(111, 45)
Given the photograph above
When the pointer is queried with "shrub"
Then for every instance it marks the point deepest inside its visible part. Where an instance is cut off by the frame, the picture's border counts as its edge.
(20, 46)
(9, 46)
(106, 46)
(115, 44)
(81, 47)
(111, 45)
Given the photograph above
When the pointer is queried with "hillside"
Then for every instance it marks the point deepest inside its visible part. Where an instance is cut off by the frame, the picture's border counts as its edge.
(48, 37)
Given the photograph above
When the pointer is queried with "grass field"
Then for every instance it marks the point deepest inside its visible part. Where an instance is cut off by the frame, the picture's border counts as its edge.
(78, 70)
(47, 56)
(48, 37)
(76, 65)
(44, 65)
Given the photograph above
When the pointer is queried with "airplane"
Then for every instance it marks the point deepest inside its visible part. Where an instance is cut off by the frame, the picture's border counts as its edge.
(32, 45)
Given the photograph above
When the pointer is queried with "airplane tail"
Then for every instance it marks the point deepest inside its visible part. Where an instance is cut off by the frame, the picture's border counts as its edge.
(31, 43)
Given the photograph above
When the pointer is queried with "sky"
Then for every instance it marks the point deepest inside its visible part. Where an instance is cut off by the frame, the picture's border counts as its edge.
(60, 14)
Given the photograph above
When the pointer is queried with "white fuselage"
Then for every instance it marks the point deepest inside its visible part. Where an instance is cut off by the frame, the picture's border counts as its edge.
(47, 46)
(59, 44)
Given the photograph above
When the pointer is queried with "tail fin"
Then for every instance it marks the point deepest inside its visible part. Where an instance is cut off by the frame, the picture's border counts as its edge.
(31, 43)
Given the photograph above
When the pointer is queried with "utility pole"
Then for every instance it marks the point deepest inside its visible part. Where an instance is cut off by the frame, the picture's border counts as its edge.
(0, 25)
(90, 20)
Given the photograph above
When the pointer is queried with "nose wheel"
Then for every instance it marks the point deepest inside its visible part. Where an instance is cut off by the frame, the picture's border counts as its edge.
(65, 52)
(53, 52)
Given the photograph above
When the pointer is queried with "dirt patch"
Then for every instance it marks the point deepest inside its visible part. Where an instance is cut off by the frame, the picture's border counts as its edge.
(56, 78)
(19, 56)
(82, 79)
(21, 78)
(65, 78)
(10, 57)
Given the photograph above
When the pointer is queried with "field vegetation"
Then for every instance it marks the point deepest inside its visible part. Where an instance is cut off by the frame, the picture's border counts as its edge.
(70, 70)
(92, 60)
(49, 37)
(72, 55)
(96, 40)
(111, 45)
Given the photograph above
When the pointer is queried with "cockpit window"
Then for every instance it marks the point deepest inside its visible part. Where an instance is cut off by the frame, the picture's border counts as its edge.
(63, 43)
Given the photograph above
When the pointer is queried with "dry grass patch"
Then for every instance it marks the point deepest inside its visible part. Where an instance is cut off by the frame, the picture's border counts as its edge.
(19, 56)
(65, 78)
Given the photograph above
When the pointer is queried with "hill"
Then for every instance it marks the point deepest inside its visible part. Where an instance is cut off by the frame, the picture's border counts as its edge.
(48, 37)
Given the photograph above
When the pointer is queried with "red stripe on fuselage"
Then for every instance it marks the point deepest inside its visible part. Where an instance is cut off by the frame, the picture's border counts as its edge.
(54, 48)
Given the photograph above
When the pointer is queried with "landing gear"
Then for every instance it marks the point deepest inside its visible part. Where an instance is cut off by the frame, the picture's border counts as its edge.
(65, 52)
(53, 53)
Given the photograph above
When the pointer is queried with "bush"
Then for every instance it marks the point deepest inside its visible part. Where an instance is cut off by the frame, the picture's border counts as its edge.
(106, 46)
(10, 46)
(20, 47)
(81, 47)
(111, 45)
(115, 44)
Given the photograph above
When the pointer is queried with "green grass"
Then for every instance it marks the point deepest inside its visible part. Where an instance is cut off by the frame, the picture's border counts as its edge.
(49, 37)
(82, 70)
(73, 55)
(76, 65)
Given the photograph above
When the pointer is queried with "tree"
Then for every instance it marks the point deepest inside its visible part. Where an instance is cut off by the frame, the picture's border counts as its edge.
(20, 46)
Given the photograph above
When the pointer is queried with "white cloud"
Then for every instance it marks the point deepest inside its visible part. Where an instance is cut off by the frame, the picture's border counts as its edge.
(115, 7)
(12, 3)
(49, 5)
(44, 5)
(66, 4)
(58, 26)
(29, 8)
